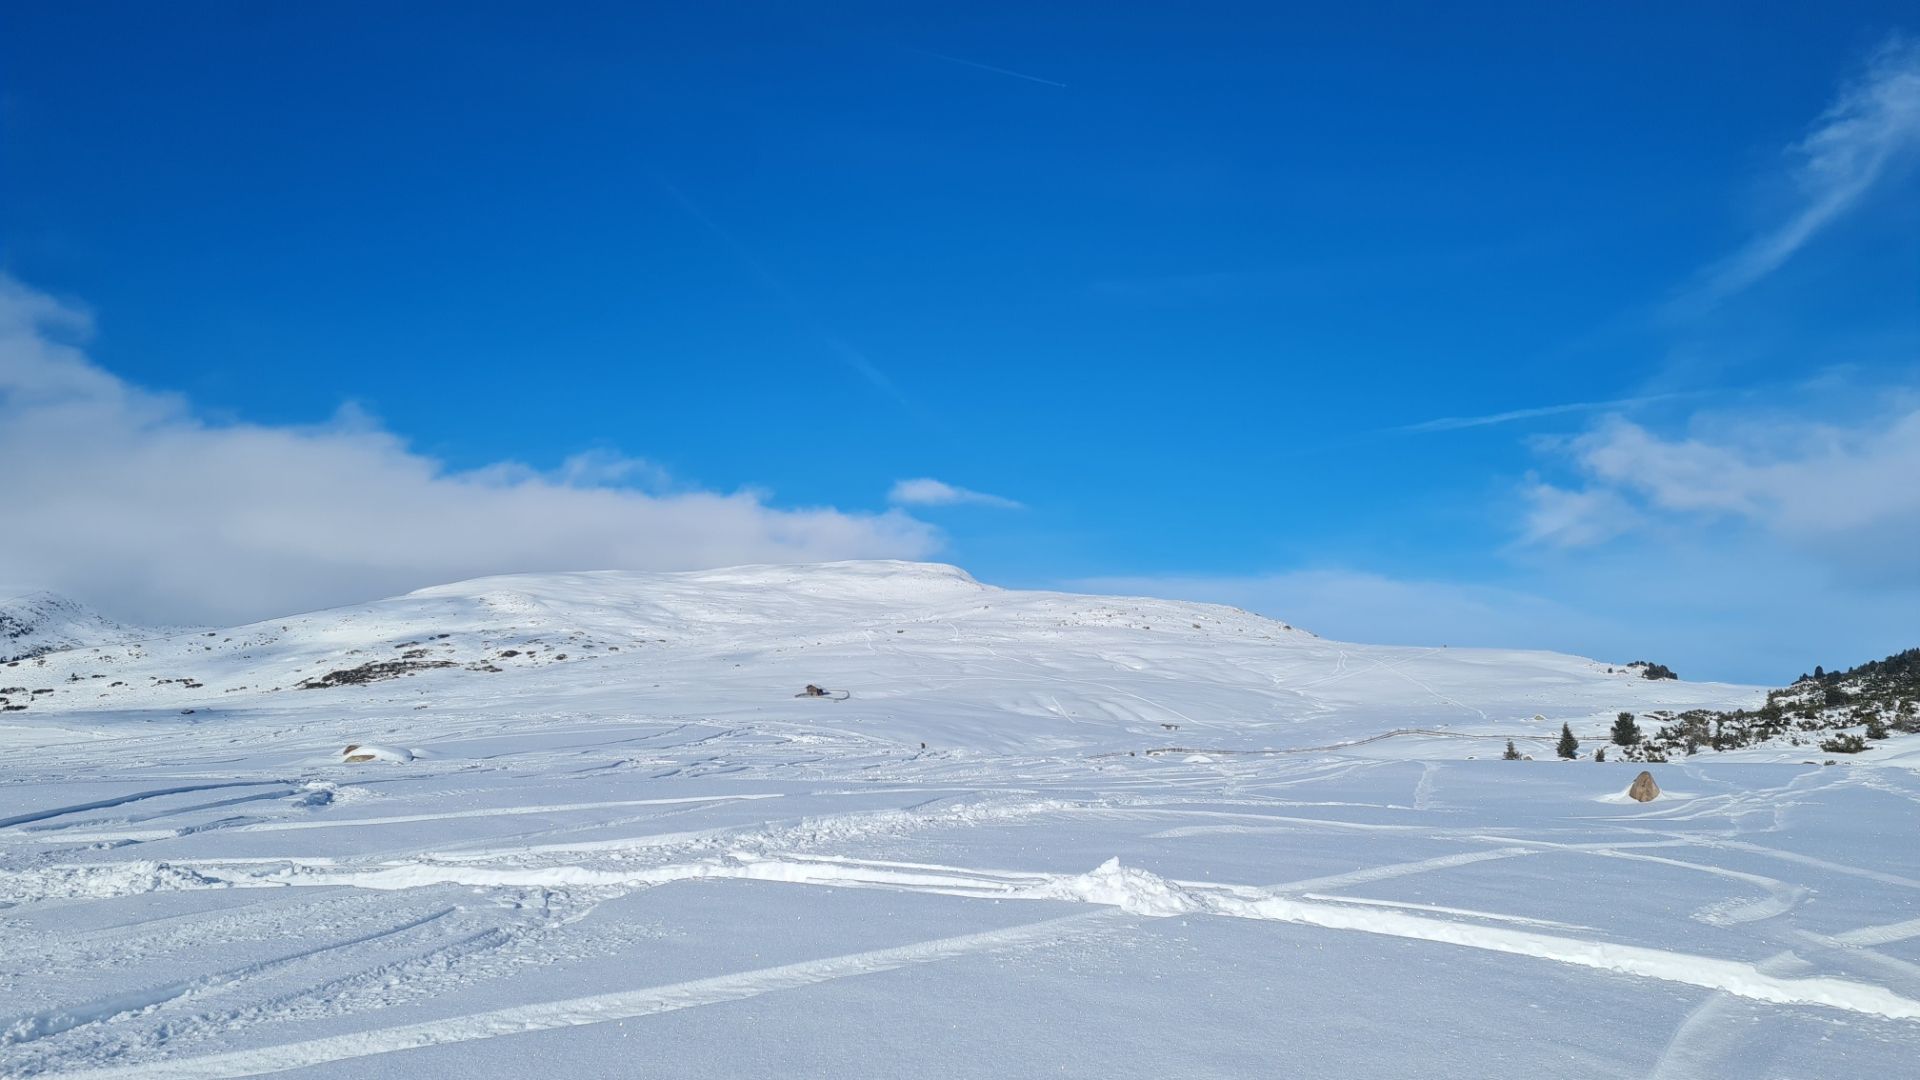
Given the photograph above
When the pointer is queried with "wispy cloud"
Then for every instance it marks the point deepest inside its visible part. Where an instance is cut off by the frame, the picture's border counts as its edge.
(1871, 129)
(989, 67)
(1832, 476)
(927, 491)
(1839, 487)
(610, 468)
(1456, 423)
(131, 500)
(1576, 517)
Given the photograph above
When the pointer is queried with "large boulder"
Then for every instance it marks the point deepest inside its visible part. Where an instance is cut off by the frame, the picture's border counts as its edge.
(1643, 789)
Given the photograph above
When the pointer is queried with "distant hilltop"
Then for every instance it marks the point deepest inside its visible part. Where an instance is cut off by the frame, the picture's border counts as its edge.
(41, 622)
(901, 652)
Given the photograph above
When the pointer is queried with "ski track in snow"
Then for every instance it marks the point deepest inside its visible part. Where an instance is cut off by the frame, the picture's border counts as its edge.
(1744, 980)
(216, 893)
(606, 1008)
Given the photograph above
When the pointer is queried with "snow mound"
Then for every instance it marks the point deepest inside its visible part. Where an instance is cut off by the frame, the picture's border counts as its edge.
(100, 882)
(1129, 888)
(357, 753)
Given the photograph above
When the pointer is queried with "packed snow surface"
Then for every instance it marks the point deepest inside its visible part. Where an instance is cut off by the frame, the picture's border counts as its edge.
(600, 835)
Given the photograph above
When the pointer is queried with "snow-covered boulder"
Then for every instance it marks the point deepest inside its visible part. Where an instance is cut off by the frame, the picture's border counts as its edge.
(356, 753)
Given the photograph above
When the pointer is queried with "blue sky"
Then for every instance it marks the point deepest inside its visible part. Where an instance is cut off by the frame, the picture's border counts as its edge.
(1220, 302)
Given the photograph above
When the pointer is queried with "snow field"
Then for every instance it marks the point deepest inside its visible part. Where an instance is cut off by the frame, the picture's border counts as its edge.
(652, 861)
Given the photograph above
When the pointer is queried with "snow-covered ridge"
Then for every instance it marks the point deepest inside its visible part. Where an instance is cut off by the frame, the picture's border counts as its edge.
(924, 652)
(42, 622)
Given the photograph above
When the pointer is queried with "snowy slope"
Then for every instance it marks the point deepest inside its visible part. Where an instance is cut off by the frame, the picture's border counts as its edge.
(925, 653)
(630, 850)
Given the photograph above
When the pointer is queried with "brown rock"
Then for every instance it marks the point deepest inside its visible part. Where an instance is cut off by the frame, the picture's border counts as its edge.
(1643, 789)
(355, 758)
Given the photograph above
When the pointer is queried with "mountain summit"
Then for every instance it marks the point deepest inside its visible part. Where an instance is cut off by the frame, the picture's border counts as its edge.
(43, 622)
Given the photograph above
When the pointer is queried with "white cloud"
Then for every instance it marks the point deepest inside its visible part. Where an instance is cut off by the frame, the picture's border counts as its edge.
(608, 468)
(1871, 129)
(1844, 490)
(927, 491)
(1567, 518)
(127, 499)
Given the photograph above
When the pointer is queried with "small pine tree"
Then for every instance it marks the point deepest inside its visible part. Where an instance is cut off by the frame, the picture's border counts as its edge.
(1512, 754)
(1625, 731)
(1600, 754)
(1569, 747)
(1844, 743)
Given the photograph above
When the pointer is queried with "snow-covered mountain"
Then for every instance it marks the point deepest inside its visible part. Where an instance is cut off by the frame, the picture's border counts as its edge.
(562, 824)
(923, 653)
(42, 622)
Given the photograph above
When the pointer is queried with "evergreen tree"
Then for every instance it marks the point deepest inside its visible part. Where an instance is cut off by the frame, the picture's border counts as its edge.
(1569, 746)
(1511, 754)
(1600, 754)
(1844, 743)
(1625, 731)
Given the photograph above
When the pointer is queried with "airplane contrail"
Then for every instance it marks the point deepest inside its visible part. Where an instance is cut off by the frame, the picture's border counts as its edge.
(1456, 423)
(990, 67)
(799, 311)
